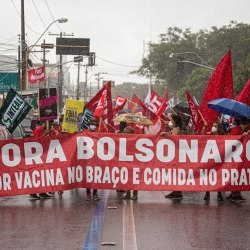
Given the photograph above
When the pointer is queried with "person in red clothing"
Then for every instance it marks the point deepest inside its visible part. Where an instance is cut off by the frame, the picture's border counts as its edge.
(93, 127)
(46, 129)
(242, 129)
(58, 128)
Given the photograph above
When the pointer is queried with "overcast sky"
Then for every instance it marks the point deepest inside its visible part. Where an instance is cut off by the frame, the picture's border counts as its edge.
(118, 29)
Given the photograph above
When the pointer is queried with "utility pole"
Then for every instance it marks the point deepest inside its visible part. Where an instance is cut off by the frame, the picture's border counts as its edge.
(78, 59)
(19, 65)
(99, 78)
(86, 82)
(60, 79)
(23, 47)
(78, 81)
(44, 64)
(91, 63)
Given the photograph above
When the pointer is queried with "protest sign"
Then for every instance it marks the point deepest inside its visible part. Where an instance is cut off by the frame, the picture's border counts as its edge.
(36, 75)
(13, 111)
(73, 110)
(125, 162)
(48, 104)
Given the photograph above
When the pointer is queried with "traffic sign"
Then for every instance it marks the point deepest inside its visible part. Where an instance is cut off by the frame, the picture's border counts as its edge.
(8, 80)
(72, 46)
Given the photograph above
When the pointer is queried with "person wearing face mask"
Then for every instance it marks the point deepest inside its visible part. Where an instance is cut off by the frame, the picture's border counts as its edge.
(93, 126)
(217, 129)
(242, 129)
(175, 124)
(235, 126)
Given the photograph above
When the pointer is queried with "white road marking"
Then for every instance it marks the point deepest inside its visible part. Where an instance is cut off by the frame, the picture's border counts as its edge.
(129, 235)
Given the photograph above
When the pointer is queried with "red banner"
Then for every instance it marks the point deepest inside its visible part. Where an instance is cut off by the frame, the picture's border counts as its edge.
(36, 75)
(125, 162)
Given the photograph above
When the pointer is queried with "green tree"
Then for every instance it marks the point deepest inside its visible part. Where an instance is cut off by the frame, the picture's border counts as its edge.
(206, 48)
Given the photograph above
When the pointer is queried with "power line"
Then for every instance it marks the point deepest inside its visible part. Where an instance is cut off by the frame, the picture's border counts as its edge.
(39, 14)
(8, 63)
(34, 55)
(9, 40)
(7, 50)
(52, 15)
(8, 56)
(124, 65)
(8, 45)
(25, 22)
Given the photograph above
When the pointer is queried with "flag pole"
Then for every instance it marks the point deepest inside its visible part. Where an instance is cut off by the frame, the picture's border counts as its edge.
(100, 124)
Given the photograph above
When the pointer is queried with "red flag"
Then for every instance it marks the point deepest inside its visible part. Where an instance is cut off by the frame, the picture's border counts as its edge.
(197, 118)
(107, 116)
(36, 75)
(157, 106)
(244, 95)
(120, 102)
(155, 110)
(100, 106)
(149, 96)
(135, 103)
(145, 111)
(220, 85)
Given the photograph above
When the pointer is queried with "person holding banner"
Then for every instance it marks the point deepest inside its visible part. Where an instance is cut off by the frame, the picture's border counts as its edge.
(93, 126)
(58, 128)
(127, 195)
(122, 126)
(46, 129)
(217, 129)
(242, 129)
(175, 124)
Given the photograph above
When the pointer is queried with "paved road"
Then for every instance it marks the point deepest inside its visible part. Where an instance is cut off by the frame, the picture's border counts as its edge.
(152, 222)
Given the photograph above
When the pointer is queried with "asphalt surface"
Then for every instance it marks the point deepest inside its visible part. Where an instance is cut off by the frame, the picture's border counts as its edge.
(152, 222)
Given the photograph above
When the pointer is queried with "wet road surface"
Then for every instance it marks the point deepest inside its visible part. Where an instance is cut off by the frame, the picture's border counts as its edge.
(152, 222)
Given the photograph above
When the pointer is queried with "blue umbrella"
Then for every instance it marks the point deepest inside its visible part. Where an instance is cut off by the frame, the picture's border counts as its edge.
(230, 107)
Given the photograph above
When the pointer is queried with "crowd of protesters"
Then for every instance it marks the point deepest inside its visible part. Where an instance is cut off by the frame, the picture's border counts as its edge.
(173, 127)
(238, 126)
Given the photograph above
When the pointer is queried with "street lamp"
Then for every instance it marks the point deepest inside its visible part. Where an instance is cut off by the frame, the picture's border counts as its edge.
(197, 64)
(189, 52)
(28, 50)
(194, 63)
(61, 20)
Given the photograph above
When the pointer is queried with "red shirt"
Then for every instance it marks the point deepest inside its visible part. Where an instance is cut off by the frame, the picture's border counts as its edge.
(38, 131)
(238, 131)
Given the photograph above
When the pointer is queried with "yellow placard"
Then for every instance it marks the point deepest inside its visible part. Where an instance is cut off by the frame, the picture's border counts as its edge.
(72, 112)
